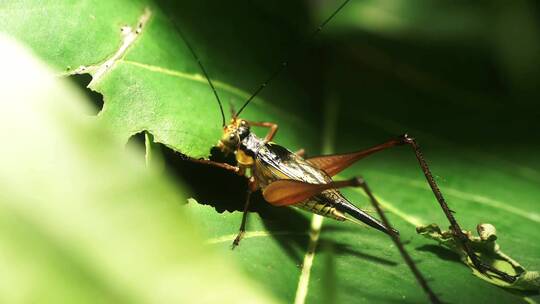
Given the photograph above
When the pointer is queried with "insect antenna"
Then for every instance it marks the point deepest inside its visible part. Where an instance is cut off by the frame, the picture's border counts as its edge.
(192, 51)
(233, 111)
(285, 62)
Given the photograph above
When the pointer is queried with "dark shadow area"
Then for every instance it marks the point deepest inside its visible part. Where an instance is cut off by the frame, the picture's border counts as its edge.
(212, 186)
(226, 192)
(406, 86)
(136, 141)
(218, 188)
(95, 98)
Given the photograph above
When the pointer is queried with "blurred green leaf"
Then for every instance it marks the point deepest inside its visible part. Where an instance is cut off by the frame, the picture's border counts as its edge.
(82, 221)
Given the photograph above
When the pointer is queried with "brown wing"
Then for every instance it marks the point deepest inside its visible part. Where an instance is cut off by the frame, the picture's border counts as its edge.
(287, 192)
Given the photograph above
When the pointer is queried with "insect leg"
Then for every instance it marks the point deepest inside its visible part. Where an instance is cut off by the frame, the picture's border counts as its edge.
(272, 126)
(288, 192)
(333, 164)
(251, 187)
(395, 238)
(458, 233)
(231, 168)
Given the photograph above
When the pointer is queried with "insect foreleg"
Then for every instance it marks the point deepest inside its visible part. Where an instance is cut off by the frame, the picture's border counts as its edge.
(234, 169)
(272, 126)
(395, 238)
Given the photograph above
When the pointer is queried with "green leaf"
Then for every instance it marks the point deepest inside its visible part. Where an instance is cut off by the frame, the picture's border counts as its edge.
(82, 221)
(469, 101)
(139, 63)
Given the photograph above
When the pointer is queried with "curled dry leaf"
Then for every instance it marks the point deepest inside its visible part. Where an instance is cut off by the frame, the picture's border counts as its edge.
(486, 247)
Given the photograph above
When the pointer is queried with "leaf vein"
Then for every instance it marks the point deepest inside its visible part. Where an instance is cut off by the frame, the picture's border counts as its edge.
(250, 234)
(484, 200)
(329, 131)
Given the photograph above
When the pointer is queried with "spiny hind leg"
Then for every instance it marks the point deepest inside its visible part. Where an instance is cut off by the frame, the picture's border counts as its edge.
(333, 164)
(456, 229)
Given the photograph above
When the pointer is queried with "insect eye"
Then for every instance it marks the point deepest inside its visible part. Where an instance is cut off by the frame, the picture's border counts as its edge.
(243, 122)
(232, 136)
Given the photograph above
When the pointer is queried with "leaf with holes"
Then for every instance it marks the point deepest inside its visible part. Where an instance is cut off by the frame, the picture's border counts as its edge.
(453, 95)
(78, 215)
(144, 70)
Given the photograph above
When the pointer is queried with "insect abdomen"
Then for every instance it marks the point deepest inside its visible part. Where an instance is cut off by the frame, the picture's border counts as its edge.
(320, 206)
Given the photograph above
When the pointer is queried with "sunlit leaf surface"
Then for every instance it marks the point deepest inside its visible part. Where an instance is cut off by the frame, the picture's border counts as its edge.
(458, 77)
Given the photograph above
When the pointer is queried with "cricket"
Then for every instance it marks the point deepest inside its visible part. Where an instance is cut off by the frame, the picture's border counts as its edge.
(286, 178)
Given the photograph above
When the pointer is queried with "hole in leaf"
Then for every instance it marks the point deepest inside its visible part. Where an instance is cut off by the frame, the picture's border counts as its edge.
(222, 190)
(226, 191)
(95, 98)
(136, 141)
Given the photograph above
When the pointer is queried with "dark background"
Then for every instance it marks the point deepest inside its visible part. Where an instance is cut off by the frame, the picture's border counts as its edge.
(467, 72)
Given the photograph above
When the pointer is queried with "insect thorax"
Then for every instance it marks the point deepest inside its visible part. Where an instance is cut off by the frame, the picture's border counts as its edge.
(248, 149)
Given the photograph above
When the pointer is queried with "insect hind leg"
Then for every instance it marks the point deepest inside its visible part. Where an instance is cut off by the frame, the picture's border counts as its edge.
(456, 229)
(290, 192)
(333, 164)
(397, 241)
